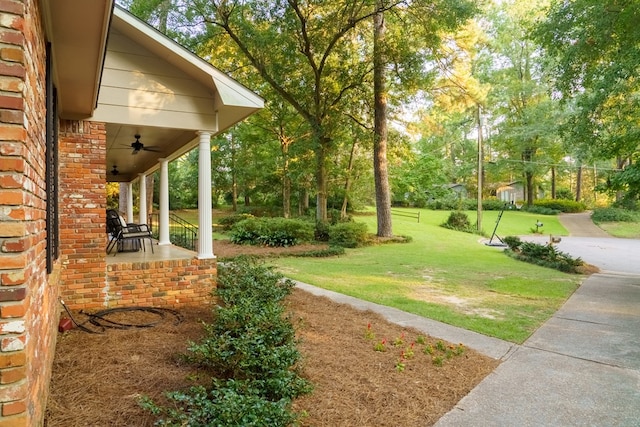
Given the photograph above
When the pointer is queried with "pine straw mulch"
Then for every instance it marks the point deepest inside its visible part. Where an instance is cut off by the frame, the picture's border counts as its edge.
(98, 378)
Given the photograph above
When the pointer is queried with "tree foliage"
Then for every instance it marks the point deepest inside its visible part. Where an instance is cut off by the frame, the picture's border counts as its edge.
(592, 46)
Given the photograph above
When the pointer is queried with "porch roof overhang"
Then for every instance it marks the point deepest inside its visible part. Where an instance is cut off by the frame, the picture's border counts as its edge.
(77, 31)
(111, 67)
(156, 88)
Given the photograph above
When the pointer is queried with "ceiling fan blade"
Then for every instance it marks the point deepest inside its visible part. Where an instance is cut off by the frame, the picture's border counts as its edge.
(152, 149)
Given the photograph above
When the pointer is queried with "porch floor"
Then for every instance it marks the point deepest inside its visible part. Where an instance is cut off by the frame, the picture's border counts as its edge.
(161, 253)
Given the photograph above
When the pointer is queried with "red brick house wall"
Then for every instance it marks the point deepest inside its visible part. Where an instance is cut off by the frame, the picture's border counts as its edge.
(28, 296)
(83, 200)
(29, 307)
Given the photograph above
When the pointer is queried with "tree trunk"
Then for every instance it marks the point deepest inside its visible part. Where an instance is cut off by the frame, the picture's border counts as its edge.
(579, 183)
(553, 182)
(620, 163)
(530, 188)
(286, 181)
(381, 173)
(234, 178)
(303, 203)
(347, 182)
(321, 180)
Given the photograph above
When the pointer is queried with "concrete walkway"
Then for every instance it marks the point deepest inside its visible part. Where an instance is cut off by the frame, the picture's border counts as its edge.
(581, 368)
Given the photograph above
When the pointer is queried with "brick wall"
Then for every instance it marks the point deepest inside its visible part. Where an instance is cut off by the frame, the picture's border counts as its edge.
(173, 283)
(83, 200)
(28, 296)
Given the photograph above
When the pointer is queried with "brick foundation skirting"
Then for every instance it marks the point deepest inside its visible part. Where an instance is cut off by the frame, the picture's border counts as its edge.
(170, 283)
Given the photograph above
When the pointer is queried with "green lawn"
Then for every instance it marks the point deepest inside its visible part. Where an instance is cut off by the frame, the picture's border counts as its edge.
(447, 275)
(626, 230)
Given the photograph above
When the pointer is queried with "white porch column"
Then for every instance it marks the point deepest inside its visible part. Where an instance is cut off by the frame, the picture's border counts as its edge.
(142, 202)
(130, 202)
(205, 239)
(163, 238)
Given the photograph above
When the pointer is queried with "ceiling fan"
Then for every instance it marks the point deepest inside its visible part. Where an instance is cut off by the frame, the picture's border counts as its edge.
(138, 146)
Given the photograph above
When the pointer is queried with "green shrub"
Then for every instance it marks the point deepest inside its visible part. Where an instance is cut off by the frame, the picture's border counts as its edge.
(459, 221)
(271, 231)
(321, 232)
(565, 194)
(614, 215)
(348, 234)
(513, 242)
(543, 255)
(562, 205)
(448, 202)
(493, 204)
(229, 221)
(250, 348)
(541, 210)
(225, 403)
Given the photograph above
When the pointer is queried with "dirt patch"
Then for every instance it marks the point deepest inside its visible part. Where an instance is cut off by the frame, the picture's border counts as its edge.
(98, 378)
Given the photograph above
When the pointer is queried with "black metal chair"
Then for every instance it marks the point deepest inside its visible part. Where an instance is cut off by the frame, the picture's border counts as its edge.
(121, 232)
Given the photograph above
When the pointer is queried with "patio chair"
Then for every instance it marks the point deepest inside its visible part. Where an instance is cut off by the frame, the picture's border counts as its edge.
(120, 232)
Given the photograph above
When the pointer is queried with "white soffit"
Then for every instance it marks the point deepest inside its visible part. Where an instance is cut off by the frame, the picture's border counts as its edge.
(77, 31)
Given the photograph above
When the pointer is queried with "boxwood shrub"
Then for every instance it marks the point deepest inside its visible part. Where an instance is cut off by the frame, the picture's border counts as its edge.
(248, 353)
(458, 221)
(348, 234)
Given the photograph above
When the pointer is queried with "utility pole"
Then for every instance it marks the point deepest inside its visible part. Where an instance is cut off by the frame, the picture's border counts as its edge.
(480, 156)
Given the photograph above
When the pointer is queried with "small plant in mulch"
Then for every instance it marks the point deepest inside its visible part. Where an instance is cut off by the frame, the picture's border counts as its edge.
(369, 334)
(399, 340)
(436, 352)
(400, 364)
(380, 345)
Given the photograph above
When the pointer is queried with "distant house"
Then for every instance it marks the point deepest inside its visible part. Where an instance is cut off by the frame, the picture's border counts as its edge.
(459, 189)
(515, 192)
(511, 193)
(79, 79)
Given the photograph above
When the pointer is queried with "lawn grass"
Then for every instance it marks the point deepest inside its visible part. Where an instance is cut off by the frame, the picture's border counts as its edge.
(625, 230)
(447, 275)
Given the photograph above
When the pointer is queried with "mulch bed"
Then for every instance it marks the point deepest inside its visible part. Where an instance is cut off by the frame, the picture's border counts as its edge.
(98, 378)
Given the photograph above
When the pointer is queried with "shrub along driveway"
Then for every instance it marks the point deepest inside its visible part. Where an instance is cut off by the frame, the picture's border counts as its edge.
(596, 247)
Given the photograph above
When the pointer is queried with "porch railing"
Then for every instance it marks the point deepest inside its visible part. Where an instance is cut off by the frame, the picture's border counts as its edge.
(181, 232)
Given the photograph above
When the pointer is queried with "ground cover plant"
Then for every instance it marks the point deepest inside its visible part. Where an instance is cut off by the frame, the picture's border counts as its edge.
(98, 379)
(448, 275)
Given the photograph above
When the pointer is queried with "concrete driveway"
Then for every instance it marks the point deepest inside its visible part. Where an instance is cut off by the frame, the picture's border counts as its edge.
(582, 367)
(596, 247)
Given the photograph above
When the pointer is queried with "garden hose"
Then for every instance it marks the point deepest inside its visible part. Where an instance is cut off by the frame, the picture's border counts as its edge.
(100, 319)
